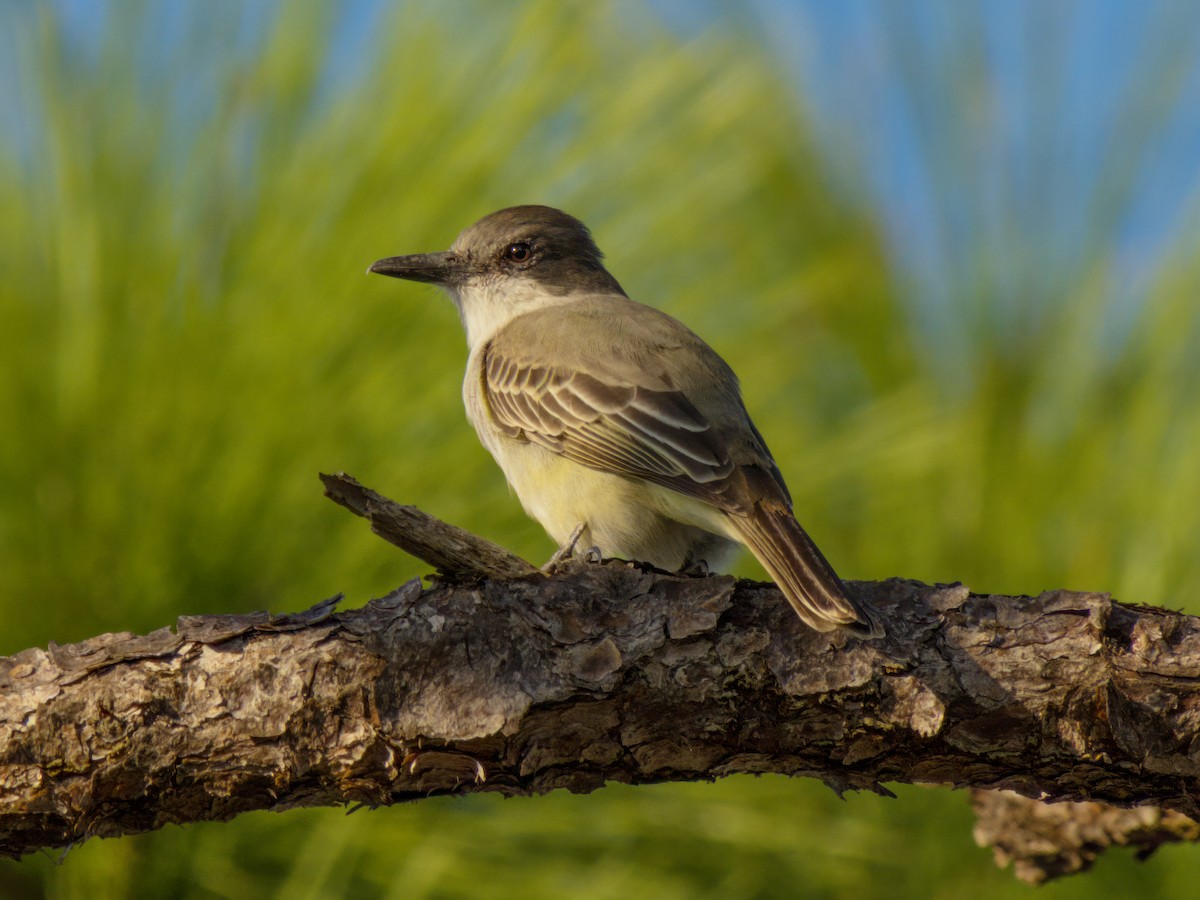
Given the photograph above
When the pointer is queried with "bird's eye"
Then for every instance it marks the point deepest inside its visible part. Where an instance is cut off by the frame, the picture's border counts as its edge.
(518, 252)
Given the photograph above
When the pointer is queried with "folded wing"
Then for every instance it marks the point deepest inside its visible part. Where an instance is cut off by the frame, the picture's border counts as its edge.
(653, 433)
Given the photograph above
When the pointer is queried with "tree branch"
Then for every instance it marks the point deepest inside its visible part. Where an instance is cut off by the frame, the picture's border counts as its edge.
(447, 548)
(1048, 840)
(600, 673)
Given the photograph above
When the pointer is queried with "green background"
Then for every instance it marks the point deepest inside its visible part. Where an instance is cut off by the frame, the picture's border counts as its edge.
(188, 338)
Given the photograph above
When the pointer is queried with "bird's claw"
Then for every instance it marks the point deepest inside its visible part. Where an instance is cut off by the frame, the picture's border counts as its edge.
(567, 550)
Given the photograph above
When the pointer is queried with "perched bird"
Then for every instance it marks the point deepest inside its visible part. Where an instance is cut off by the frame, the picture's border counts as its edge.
(611, 416)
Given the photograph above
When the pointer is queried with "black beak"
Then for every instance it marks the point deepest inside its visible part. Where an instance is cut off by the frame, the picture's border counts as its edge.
(433, 268)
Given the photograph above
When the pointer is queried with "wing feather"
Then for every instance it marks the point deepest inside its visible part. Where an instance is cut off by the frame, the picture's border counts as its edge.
(665, 433)
(630, 429)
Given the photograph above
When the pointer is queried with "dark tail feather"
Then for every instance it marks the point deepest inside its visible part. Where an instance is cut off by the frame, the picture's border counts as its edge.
(801, 571)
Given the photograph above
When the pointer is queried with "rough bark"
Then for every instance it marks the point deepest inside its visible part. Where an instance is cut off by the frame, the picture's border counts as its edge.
(602, 673)
(447, 548)
(1049, 840)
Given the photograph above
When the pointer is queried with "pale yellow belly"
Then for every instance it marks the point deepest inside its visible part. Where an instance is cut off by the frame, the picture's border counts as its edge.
(623, 517)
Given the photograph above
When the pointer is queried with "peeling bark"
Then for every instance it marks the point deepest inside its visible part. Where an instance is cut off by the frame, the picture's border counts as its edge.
(599, 673)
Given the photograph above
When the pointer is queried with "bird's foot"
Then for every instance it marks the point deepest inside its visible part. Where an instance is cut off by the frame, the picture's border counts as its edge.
(567, 550)
(695, 568)
(593, 555)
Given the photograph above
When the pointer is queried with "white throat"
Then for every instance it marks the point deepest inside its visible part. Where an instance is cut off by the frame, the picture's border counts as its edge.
(486, 305)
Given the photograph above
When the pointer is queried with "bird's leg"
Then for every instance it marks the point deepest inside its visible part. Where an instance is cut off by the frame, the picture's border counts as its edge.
(567, 550)
(695, 568)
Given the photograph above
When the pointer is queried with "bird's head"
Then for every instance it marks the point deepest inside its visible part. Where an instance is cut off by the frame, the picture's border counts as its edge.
(511, 262)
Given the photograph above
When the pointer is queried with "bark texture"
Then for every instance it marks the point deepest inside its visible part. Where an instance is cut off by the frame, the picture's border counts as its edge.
(446, 547)
(1049, 840)
(602, 673)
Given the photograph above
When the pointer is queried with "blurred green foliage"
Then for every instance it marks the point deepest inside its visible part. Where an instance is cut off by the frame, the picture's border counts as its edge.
(189, 338)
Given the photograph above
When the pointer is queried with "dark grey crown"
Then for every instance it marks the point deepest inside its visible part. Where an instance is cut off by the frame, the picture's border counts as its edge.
(562, 255)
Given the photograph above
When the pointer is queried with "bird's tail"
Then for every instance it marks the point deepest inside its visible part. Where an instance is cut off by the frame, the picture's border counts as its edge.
(801, 571)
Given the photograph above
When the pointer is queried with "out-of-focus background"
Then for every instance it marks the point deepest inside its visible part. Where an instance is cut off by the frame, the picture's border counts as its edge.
(949, 247)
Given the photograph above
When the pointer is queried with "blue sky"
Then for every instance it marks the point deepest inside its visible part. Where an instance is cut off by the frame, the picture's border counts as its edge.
(1009, 125)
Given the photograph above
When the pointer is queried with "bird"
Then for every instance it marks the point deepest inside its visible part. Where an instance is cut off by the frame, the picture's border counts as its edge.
(614, 423)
